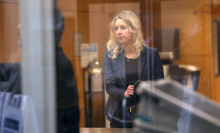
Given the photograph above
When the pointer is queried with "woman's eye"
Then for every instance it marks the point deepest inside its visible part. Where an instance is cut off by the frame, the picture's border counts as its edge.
(123, 28)
(116, 28)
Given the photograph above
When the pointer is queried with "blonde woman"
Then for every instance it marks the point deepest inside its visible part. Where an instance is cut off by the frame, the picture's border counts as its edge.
(127, 60)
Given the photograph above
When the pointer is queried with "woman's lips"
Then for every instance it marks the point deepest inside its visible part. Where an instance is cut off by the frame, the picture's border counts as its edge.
(120, 38)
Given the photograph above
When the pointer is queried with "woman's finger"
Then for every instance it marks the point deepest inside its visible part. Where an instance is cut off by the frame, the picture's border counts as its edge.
(130, 92)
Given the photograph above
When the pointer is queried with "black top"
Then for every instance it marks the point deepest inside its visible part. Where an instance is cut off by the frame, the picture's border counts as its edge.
(131, 71)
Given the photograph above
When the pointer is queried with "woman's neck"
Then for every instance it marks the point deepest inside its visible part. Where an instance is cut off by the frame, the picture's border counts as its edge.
(129, 52)
(128, 49)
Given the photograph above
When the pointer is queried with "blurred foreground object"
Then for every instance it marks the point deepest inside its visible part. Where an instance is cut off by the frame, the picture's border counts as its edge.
(167, 106)
(17, 114)
(188, 75)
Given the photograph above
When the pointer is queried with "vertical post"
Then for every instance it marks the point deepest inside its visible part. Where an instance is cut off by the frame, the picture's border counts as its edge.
(90, 100)
(38, 70)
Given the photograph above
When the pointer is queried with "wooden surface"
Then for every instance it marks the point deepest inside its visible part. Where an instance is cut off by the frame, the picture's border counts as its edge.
(9, 50)
(106, 130)
(191, 18)
(215, 84)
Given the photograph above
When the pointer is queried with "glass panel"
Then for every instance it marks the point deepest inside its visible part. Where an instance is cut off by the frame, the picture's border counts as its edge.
(155, 68)
(10, 69)
(27, 67)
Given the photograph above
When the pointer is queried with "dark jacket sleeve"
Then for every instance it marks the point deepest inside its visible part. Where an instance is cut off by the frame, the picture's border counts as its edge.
(10, 77)
(113, 88)
(158, 67)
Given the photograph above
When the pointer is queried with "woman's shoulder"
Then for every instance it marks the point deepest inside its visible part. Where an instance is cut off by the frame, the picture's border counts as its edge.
(108, 52)
(147, 49)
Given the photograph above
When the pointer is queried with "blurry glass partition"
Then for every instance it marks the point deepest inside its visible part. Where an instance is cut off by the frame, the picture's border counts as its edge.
(167, 106)
(40, 58)
(18, 114)
(188, 75)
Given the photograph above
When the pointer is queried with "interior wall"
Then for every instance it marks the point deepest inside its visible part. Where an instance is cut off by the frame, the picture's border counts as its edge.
(9, 50)
(191, 18)
(215, 78)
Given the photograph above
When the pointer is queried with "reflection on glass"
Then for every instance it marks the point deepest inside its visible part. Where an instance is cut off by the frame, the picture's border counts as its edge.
(67, 94)
(186, 28)
(10, 77)
(168, 106)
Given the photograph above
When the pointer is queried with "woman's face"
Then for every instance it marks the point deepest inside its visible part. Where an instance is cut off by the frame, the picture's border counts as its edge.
(122, 32)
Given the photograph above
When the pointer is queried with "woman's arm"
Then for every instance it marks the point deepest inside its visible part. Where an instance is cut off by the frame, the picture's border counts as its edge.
(112, 89)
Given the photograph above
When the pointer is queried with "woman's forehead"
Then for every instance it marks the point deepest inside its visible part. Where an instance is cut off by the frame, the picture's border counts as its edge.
(120, 21)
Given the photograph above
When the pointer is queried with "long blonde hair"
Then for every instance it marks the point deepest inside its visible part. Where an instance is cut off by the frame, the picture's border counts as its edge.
(134, 24)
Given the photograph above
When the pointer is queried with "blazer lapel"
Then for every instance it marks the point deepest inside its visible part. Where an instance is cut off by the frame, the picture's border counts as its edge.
(142, 62)
(121, 63)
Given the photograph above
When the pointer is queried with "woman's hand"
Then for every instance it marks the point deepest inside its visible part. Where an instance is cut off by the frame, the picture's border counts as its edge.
(130, 90)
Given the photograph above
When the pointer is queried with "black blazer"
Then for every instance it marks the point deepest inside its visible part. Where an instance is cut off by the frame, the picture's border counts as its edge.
(150, 68)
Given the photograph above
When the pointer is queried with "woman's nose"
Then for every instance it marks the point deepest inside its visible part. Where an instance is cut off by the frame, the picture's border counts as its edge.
(118, 31)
